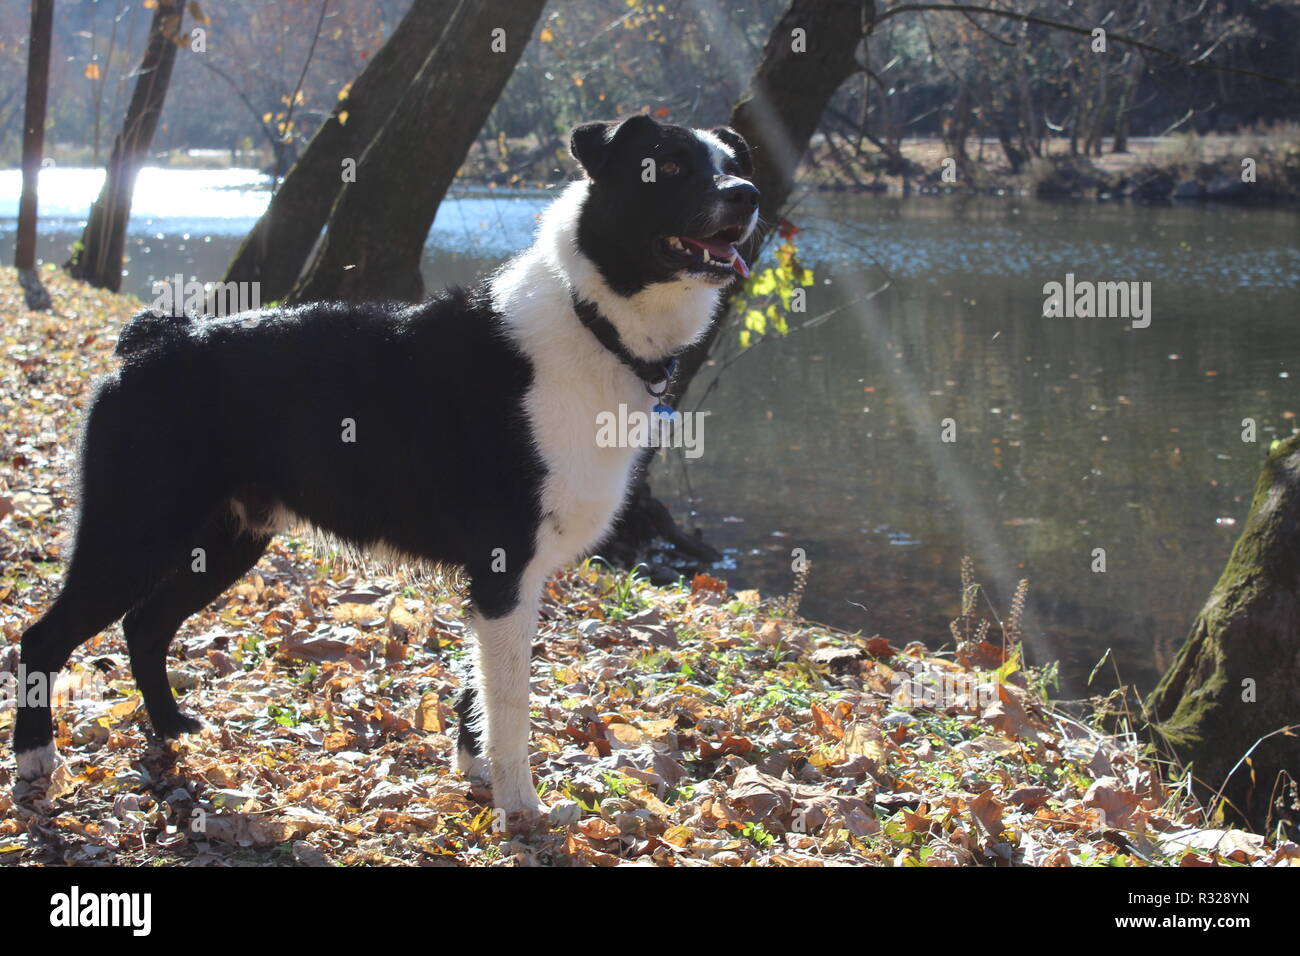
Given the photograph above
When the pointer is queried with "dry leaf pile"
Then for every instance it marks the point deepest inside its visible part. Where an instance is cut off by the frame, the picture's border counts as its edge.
(692, 725)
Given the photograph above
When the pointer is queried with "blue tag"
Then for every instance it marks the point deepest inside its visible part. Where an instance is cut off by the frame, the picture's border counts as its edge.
(665, 411)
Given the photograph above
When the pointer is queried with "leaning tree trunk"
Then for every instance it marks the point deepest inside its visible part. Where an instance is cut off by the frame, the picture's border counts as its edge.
(275, 252)
(1235, 679)
(376, 230)
(97, 258)
(38, 85)
(777, 115)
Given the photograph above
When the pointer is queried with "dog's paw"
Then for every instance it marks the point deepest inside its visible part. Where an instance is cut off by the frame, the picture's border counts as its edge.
(38, 762)
(476, 769)
(178, 726)
(526, 820)
(520, 807)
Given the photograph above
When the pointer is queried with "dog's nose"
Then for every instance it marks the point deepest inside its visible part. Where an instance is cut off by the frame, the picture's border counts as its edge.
(739, 192)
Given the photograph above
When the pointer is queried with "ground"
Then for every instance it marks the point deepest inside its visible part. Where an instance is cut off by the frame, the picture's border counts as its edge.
(693, 725)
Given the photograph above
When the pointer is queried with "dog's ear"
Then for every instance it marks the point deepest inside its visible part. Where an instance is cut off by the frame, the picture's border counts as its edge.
(589, 144)
(738, 145)
(592, 143)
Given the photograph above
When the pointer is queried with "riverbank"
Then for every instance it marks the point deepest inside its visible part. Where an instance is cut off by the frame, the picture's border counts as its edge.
(1151, 169)
(694, 724)
(1183, 167)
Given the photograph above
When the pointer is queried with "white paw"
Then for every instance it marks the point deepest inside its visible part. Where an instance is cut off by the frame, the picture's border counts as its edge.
(475, 769)
(520, 804)
(38, 762)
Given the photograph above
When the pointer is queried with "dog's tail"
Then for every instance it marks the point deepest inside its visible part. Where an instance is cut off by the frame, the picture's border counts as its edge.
(148, 328)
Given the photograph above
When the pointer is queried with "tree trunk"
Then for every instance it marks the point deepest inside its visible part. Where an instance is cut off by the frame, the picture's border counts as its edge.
(1120, 143)
(1015, 158)
(278, 247)
(97, 258)
(958, 128)
(38, 85)
(376, 230)
(1234, 680)
(777, 115)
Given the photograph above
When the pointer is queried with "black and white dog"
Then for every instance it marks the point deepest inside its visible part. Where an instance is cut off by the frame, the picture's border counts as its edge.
(461, 431)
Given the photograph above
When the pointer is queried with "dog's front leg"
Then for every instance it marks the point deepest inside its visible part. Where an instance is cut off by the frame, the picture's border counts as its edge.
(504, 649)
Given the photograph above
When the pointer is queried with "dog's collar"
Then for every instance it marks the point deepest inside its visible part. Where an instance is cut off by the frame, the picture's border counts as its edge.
(655, 375)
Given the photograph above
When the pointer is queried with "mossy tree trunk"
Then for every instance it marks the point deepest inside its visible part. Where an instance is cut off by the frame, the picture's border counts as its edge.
(1237, 677)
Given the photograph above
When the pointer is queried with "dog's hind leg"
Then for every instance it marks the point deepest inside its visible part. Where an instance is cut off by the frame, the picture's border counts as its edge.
(470, 759)
(220, 556)
(138, 514)
(504, 622)
(92, 598)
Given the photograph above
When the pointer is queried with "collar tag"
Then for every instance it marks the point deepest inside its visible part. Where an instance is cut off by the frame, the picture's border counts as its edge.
(656, 376)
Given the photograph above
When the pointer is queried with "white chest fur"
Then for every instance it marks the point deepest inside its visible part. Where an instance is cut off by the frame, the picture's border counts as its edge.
(576, 379)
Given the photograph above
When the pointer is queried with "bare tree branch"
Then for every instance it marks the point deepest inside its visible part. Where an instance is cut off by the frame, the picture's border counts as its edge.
(1196, 64)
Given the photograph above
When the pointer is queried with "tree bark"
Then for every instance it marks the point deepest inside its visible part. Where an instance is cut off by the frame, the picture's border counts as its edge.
(1234, 680)
(777, 115)
(376, 230)
(1120, 143)
(278, 247)
(38, 85)
(97, 258)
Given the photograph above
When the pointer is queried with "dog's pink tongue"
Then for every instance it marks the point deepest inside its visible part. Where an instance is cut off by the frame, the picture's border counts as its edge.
(721, 250)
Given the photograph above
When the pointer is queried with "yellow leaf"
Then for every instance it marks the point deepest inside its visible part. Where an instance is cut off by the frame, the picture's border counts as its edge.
(428, 716)
(343, 93)
(343, 117)
(547, 35)
(678, 836)
(92, 71)
(197, 12)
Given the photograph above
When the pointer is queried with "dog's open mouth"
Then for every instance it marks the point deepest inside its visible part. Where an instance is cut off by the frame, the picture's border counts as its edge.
(714, 255)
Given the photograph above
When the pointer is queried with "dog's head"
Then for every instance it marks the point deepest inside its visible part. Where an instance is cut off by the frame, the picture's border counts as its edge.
(666, 203)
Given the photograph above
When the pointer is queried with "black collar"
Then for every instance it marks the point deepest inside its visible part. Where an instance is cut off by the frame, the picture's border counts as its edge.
(655, 375)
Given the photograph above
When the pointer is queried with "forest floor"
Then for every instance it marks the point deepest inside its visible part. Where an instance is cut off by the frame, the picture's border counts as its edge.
(693, 725)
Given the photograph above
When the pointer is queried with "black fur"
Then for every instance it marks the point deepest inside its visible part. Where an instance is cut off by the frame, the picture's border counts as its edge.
(213, 426)
(246, 413)
(626, 216)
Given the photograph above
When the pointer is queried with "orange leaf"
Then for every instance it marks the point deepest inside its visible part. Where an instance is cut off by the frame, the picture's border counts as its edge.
(702, 582)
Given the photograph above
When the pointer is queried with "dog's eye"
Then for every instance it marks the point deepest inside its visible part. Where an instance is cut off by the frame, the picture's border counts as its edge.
(670, 168)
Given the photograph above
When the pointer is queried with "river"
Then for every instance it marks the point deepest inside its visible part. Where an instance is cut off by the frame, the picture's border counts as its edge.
(1069, 434)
